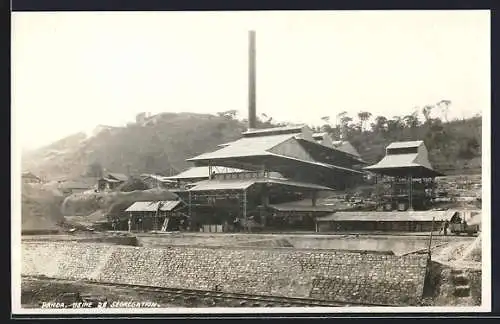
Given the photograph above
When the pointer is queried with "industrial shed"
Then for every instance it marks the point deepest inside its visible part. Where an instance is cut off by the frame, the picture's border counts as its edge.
(409, 221)
(155, 215)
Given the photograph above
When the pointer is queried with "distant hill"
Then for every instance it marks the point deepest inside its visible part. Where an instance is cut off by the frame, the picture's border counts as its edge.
(161, 144)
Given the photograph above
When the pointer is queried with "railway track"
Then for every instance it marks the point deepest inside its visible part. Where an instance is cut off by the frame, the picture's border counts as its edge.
(246, 300)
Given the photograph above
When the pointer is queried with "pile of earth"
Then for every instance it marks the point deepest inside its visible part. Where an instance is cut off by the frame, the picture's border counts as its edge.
(40, 207)
(96, 206)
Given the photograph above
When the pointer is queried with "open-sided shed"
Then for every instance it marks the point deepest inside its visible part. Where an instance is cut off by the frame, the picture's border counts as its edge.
(409, 221)
(155, 215)
(411, 174)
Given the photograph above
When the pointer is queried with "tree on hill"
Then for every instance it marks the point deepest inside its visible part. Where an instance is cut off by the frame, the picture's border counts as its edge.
(451, 144)
(363, 118)
(444, 105)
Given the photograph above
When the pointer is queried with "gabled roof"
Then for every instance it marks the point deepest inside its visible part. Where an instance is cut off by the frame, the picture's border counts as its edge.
(407, 144)
(416, 164)
(155, 177)
(319, 136)
(152, 206)
(117, 176)
(346, 147)
(240, 184)
(202, 172)
(237, 184)
(396, 161)
(246, 146)
(28, 174)
(297, 129)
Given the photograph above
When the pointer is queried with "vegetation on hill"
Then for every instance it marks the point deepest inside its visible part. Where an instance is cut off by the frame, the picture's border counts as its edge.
(160, 146)
(454, 146)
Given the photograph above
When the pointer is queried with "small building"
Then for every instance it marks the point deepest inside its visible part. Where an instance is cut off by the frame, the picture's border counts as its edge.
(111, 181)
(74, 186)
(156, 215)
(29, 177)
(157, 181)
(344, 146)
(410, 221)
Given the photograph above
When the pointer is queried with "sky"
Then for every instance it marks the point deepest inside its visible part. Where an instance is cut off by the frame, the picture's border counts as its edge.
(72, 71)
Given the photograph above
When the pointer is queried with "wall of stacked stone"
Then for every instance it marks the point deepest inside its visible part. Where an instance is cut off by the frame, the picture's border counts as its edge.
(337, 275)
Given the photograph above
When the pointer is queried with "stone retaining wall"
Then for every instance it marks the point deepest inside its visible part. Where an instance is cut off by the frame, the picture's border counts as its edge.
(336, 275)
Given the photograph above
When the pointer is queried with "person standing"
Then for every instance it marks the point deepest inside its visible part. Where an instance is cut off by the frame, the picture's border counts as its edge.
(139, 224)
(445, 229)
(130, 224)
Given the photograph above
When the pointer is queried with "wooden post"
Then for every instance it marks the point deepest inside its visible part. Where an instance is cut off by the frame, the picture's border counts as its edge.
(314, 198)
(189, 203)
(410, 194)
(245, 208)
(430, 239)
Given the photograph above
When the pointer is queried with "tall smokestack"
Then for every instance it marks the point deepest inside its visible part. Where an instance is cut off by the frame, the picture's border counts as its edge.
(252, 114)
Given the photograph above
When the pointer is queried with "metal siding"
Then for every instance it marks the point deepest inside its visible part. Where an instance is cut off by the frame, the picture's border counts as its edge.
(292, 148)
(247, 146)
(202, 172)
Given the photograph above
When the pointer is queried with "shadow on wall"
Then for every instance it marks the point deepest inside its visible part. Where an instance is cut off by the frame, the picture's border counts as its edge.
(447, 286)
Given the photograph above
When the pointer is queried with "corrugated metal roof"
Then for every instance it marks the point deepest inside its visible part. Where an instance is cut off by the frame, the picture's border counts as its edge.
(319, 135)
(300, 207)
(398, 216)
(152, 206)
(247, 146)
(296, 128)
(206, 185)
(155, 177)
(28, 174)
(293, 183)
(325, 165)
(119, 176)
(202, 172)
(395, 161)
(346, 147)
(407, 144)
(240, 184)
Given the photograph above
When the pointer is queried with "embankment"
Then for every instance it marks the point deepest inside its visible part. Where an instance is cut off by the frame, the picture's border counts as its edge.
(357, 277)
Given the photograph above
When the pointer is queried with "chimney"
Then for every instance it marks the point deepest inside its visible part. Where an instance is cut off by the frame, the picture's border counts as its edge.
(252, 115)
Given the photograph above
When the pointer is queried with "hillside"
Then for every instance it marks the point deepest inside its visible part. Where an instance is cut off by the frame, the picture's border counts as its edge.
(162, 143)
(160, 146)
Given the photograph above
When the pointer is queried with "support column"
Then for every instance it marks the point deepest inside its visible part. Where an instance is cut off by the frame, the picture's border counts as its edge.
(314, 198)
(410, 194)
(189, 203)
(245, 206)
